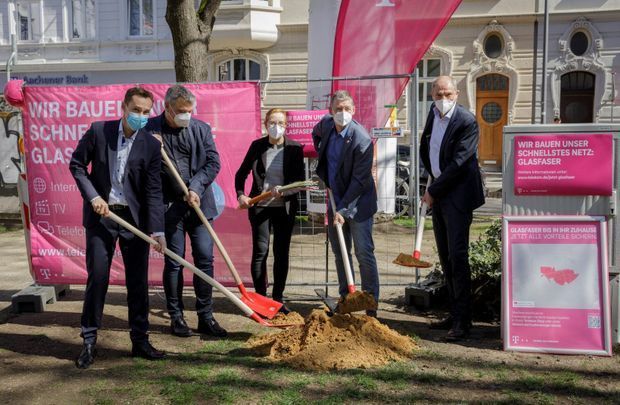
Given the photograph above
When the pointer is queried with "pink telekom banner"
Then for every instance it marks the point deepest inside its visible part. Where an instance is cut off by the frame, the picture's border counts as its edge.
(383, 37)
(55, 118)
(566, 164)
(299, 124)
(556, 290)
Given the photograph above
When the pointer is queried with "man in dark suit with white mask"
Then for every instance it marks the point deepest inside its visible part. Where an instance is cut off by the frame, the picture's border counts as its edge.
(449, 148)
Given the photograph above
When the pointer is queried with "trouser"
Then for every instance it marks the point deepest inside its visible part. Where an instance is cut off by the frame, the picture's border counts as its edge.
(181, 219)
(100, 246)
(451, 228)
(264, 219)
(360, 234)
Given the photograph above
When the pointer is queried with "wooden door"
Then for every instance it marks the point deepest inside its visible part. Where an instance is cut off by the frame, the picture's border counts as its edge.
(492, 116)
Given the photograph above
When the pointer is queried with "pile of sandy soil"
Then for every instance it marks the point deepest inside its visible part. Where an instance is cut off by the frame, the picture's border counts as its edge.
(292, 318)
(357, 301)
(337, 342)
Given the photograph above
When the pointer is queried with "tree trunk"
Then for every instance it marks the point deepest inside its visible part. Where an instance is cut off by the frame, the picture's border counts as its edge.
(191, 33)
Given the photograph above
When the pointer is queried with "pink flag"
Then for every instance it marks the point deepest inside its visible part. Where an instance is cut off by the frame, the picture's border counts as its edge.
(383, 37)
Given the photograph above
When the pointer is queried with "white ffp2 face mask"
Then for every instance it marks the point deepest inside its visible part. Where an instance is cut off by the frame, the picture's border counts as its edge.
(444, 105)
(182, 119)
(343, 118)
(275, 131)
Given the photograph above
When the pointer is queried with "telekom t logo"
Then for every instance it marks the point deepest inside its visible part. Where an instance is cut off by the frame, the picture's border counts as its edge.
(385, 3)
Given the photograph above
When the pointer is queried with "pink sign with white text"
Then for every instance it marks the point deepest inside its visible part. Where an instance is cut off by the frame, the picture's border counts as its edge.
(55, 118)
(299, 124)
(566, 164)
(555, 285)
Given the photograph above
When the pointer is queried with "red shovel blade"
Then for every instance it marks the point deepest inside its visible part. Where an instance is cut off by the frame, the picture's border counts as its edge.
(260, 304)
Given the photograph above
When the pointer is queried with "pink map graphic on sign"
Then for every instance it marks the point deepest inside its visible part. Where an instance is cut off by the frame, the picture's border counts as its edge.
(561, 277)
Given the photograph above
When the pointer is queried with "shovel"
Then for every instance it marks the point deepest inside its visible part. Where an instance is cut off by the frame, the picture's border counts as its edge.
(239, 303)
(330, 302)
(259, 303)
(354, 300)
(413, 260)
(297, 186)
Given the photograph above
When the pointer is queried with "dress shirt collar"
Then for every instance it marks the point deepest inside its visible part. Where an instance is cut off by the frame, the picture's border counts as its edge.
(344, 132)
(121, 132)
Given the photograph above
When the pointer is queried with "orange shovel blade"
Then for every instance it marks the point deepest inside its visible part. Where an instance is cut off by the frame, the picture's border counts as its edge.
(260, 304)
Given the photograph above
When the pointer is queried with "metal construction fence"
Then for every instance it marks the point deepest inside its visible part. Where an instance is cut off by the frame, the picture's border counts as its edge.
(395, 174)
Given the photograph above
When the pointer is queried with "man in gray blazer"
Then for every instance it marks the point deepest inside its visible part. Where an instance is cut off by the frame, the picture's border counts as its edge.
(345, 153)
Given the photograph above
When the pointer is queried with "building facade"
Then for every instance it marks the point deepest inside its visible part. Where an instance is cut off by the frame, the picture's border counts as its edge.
(87, 42)
(493, 48)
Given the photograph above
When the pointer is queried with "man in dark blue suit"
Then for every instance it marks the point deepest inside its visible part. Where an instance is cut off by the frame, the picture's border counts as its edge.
(125, 179)
(449, 148)
(189, 144)
(345, 165)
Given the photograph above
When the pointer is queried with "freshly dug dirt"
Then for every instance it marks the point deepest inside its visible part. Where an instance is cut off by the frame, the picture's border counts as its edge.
(410, 261)
(357, 301)
(292, 318)
(338, 342)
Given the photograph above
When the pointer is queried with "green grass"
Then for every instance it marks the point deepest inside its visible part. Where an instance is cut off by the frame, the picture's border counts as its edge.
(409, 222)
(219, 373)
(478, 226)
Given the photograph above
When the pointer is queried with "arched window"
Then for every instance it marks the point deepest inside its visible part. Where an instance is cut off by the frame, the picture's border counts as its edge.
(238, 69)
(577, 97)
(579, 43)
(493, 45)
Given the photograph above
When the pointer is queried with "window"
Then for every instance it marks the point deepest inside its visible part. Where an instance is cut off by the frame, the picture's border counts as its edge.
(83, 19)
(140, 14)
(577, 97)
(493, 46)
(238, 69)
(492, 82)
(428, 70)
(29, 20)
(579, 43)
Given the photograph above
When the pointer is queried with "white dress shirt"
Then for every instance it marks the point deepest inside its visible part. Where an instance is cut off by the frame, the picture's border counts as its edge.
(440, 124)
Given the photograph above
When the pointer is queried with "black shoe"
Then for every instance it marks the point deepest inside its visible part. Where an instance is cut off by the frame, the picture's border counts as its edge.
(146, 351)
(211, 327)
(459, 331)
(87, 356)
(285, 310)
(444, 324)
(178, 327)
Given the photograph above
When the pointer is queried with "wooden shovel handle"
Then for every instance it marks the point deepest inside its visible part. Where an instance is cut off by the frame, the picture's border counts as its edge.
(260, 197)
(204, 219)
(343, 246)
(246, 309)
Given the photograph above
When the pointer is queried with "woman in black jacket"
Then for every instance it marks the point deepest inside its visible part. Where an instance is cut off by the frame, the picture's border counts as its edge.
(274, 161)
